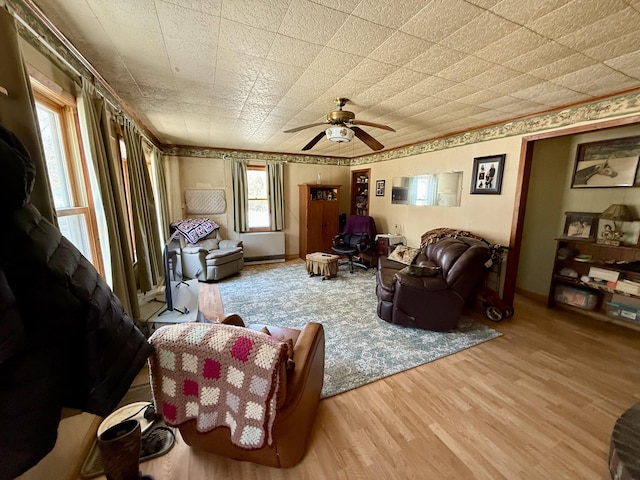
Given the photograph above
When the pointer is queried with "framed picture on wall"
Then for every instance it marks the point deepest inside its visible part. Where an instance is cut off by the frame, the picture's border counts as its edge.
(380, 188)
(487, 174)
(581, 225)
(608, 163)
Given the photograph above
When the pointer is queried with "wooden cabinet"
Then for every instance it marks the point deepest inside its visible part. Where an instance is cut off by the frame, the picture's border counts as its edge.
(360, 192)
(319, 214)
(607, 298)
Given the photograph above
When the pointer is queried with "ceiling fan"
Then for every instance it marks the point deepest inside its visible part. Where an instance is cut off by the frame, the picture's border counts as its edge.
(343, 128)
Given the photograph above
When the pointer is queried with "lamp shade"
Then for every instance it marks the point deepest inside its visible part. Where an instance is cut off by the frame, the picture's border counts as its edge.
(339, 134)
(617, 212)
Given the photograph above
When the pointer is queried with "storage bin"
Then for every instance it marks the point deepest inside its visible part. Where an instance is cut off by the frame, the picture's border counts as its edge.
(576, 297)
(625, 312)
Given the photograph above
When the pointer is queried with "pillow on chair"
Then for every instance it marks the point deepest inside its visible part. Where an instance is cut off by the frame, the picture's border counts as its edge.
(404, 254)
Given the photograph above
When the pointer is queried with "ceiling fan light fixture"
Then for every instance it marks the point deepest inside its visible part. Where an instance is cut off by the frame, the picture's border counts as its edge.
(339, 134)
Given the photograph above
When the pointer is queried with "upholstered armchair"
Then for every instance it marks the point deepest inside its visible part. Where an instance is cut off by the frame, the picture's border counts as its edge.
(212, 258)
(203, 394)
(429, 289)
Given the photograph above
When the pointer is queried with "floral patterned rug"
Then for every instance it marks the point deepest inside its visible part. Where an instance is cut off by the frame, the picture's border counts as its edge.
(360, 347)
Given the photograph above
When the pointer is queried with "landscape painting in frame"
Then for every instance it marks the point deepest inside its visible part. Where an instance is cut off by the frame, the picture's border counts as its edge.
(608, 163)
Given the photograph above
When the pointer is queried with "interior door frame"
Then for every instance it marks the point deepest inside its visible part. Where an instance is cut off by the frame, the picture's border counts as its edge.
(522, 191)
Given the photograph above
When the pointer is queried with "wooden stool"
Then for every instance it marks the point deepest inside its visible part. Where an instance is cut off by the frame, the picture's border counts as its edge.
(324, 264)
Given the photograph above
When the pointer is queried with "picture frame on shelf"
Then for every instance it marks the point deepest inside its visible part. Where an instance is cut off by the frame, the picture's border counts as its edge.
(487, 174)
(581, 226)
(607, 163)
(630, 233)
(379, 188)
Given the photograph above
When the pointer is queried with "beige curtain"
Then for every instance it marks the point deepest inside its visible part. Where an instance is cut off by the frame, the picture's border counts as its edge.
(17, 112)
(109, 174)
(240, 196)
(275, 185)
(161, 187)
(145, 223)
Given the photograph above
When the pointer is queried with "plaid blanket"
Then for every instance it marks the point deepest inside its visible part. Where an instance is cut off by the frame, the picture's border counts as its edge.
(432, 236)
(219, 375)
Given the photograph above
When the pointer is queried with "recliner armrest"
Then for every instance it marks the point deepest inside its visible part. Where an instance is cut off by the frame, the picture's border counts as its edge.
(230, 243)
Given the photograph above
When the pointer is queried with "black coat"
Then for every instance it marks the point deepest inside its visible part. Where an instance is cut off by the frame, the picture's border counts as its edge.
(65, 339)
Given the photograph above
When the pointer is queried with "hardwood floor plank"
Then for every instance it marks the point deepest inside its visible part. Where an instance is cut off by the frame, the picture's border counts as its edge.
(538, 402)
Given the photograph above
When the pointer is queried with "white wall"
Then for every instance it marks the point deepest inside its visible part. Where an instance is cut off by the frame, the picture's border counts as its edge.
(486, 215)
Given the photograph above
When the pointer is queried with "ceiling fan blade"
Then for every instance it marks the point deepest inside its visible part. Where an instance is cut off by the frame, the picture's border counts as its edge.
(370, 124)
(297, 129)
(315, 140)
(371, 142)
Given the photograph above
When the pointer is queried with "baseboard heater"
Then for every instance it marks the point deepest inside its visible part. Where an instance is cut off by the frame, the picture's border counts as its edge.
(263, 247)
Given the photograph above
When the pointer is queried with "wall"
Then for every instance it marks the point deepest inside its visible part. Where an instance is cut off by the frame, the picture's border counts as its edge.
(551, 195)
(486, 215)
(190, 172)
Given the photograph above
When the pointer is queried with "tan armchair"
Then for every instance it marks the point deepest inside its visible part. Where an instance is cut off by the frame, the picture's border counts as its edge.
(212, 258)
(296, 402)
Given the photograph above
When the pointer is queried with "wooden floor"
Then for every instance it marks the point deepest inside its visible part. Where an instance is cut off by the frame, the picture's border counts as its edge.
(539, 402)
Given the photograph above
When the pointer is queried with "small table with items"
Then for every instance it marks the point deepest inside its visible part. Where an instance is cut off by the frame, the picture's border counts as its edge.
(324, 264)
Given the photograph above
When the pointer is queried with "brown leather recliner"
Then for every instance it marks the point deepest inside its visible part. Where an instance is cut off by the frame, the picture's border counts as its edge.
(431, 302)
(297, 403)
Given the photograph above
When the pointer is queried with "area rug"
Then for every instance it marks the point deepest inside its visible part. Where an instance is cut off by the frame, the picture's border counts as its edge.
(360, 347)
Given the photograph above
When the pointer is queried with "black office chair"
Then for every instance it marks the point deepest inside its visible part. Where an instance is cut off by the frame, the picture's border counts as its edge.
(350, 245)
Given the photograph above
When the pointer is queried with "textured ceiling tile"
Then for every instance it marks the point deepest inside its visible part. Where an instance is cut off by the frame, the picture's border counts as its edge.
(480, 97)
(265, 15)
(335, 62)
(191, 59)
(280, 72)
(548, 93)
(138, 47)
(212, 7)
(541, 56)
(516, 84)
(431, 86)
(622, 23)
(465, 69)
(399, 49)
(270, 90)
(371, 71)
(617, 47)
(242, 64)
(311, 22)
(492, 75)
(359, 36)
(564, 66)
(629, 64)
(483, 30)
(392, 14)
(440, 18)
(202, 27)
(456, 92)
(487, 4)
(348, 88)
(435, 59)
(524, 12)
(511, 46)
(292, 51)
(575, 15)
(140, 15)
(244, 39)
(595, 80)
(510, 104)
(346, 6)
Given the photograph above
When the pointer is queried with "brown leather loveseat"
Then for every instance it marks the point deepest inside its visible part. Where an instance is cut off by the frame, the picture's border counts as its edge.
(431, 297)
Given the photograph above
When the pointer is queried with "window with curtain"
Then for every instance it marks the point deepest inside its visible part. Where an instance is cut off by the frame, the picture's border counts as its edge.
(258, 198)
(68, 173)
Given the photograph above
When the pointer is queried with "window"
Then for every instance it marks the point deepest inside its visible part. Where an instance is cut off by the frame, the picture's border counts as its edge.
(68, 178)
(258, 215)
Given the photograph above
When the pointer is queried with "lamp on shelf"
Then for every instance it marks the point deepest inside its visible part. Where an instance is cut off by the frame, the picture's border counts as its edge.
(618, 213)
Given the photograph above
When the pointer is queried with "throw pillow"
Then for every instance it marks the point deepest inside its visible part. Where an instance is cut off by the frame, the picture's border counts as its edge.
(290, 363)
(193, 229)
(421, 271)
(404, 254)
